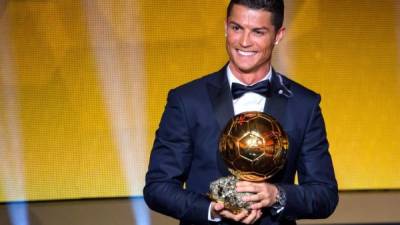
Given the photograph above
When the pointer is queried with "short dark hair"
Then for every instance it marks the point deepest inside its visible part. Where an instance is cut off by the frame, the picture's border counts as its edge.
(276, 7)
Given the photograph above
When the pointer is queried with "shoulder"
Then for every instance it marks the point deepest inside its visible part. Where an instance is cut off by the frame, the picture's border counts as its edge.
(198, 87)
(297, 91)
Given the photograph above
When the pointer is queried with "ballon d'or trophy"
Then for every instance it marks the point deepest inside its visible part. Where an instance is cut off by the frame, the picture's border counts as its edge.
(254, 146)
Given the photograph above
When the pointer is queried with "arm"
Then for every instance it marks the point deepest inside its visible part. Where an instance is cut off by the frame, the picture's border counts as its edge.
(170, 162)
(316, 196)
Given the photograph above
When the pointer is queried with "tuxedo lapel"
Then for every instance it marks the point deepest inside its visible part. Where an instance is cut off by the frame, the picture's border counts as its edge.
(277, 98)
(221, 100)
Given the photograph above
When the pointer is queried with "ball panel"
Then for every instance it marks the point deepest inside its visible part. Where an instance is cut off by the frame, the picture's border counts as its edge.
(243, 164)
(249, 146)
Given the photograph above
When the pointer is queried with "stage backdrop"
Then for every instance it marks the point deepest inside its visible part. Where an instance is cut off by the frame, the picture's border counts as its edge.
(83, 84)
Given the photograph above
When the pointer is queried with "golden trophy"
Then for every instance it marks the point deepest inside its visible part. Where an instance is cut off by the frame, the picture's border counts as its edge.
(254, 146)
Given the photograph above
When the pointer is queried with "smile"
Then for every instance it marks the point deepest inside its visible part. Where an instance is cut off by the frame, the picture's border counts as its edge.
(246, 53)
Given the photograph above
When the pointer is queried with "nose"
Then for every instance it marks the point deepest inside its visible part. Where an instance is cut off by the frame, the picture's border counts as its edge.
(245, 39)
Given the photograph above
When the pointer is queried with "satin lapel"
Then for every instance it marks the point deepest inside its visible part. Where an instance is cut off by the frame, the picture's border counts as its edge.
(275, 104)
(221, 99)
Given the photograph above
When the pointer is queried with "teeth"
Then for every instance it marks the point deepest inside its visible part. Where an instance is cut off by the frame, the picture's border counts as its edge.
(246, 53)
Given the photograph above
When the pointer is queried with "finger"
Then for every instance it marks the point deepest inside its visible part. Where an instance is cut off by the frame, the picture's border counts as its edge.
(236, 217)
(253, 198)
(258, 206)
(251, 218)
(240, 216)
(218, 206)
(247, 188)
(243, 183)
(265, 197)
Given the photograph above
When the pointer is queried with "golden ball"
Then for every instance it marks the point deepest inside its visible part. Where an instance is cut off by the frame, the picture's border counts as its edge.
(254, 146)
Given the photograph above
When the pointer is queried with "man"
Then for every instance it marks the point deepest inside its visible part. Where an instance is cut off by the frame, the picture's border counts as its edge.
(185, 158)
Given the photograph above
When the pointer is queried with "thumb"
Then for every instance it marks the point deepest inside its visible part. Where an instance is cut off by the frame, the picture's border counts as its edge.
(218, 206)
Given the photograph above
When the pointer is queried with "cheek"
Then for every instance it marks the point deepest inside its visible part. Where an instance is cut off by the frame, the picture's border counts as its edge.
(232, 39)
(266, 48)
(230, 43)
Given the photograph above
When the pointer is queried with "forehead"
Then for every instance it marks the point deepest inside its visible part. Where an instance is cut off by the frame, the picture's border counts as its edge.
(252, 17)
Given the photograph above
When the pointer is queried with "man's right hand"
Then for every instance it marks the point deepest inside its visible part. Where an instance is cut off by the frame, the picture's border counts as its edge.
(244, 216)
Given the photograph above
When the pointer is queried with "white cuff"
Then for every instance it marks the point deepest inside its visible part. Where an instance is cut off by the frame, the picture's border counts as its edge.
(216, 219)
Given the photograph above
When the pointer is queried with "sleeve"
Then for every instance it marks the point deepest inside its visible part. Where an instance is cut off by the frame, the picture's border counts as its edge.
(316, 195)
(169, 166)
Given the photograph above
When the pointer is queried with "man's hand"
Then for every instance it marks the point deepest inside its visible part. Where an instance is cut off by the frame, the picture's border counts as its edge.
(264, 193)
(244, 216)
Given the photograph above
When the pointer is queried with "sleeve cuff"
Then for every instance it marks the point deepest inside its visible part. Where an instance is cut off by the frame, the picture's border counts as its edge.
(217, 219)
(280, 203)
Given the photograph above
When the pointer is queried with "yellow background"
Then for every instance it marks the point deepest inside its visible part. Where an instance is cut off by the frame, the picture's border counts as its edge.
(83, 85)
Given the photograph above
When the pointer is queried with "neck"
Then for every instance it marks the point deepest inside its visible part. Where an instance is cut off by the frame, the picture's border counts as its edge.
(249, 78)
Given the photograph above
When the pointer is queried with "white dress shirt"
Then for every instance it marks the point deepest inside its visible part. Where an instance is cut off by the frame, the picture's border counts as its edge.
(250, 101)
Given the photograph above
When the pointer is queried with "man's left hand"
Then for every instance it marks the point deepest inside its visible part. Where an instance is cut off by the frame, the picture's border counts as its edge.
(264, 194)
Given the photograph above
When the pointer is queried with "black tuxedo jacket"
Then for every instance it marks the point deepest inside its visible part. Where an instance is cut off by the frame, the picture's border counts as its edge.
(185, 159)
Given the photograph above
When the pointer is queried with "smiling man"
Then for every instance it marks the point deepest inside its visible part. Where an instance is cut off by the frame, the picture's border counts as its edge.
(185, 159)
(250, 39)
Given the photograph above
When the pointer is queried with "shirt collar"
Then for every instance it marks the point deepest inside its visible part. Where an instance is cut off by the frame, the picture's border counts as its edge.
(233, 79)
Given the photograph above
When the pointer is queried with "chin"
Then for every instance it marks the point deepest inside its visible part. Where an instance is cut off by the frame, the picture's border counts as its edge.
(244, 67)
(247, 70)
(246, 64)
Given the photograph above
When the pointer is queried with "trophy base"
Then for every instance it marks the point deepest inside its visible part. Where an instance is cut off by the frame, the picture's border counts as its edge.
(224, 190)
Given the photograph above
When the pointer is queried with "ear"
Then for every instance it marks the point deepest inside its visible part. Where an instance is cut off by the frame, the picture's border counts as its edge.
(279, 35)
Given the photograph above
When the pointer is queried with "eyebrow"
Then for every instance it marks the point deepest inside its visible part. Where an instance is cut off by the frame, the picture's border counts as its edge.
(254, 29)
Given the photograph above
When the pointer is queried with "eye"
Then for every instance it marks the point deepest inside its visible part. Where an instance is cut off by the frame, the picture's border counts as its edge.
(259, 33)
(235, 27)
